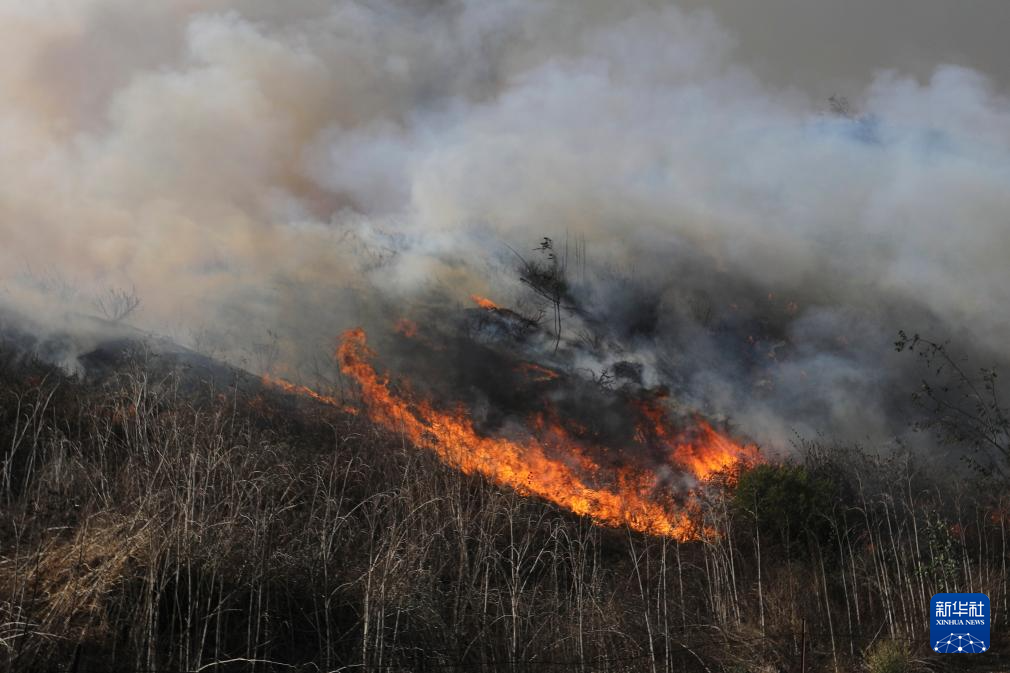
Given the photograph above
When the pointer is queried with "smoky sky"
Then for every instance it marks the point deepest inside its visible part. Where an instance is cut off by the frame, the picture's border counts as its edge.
(837, 48)
(265, 174)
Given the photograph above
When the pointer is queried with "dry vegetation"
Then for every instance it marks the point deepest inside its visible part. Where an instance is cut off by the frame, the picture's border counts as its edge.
(152, 526)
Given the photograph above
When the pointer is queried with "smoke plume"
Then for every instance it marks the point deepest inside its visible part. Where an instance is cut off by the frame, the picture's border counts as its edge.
(266, 174)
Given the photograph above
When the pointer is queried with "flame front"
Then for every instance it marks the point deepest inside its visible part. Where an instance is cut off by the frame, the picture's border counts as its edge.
(529, 465)
(704, 453)
(295, 389)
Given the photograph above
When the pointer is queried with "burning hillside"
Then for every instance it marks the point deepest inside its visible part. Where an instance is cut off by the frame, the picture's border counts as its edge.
(640, 474)
(546, 458)
(417, 335)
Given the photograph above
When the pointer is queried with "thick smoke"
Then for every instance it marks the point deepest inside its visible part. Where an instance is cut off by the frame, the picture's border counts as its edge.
(265, 174)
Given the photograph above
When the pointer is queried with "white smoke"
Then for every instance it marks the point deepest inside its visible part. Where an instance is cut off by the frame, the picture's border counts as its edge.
(257, 166)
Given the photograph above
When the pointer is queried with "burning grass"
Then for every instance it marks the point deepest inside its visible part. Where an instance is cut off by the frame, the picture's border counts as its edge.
(148, 528)
(297, 389)
(546, 458)
(484, 302)
(549, 462)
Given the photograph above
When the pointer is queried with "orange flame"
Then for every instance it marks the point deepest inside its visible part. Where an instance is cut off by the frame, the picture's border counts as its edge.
(711, 452)
(704, 454)
(484, 302)
(304, 391)
(551, 465)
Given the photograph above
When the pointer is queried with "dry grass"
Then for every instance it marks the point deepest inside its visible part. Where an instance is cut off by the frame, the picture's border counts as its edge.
(151, 524)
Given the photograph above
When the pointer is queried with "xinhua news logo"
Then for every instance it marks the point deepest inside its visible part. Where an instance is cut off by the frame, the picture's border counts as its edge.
(959, 623)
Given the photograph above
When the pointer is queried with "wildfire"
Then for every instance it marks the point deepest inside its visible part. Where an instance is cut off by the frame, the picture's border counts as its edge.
(295, 389)
(551, 463)
(710, 452)
(484, 302)
(704, 453)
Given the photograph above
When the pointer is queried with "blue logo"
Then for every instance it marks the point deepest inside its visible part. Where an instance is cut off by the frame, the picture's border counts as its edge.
(959, 623)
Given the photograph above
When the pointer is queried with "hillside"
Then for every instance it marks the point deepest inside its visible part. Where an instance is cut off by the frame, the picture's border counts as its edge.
(159, 518)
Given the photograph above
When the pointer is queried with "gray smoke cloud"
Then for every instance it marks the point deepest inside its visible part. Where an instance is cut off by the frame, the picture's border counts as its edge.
(294, 168)
(825, 47)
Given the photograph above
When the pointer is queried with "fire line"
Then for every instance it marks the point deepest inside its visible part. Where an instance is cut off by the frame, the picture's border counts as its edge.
(550, 464)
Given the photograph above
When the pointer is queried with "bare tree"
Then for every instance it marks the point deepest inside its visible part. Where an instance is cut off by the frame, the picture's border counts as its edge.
(962, 407)
(116, 304)
(547, 277)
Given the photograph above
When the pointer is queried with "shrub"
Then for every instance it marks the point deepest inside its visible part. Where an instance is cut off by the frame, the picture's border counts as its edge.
(888, 656)
(789, 503)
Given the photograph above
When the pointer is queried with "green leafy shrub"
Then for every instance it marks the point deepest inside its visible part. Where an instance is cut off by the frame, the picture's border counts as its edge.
(790, 504)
